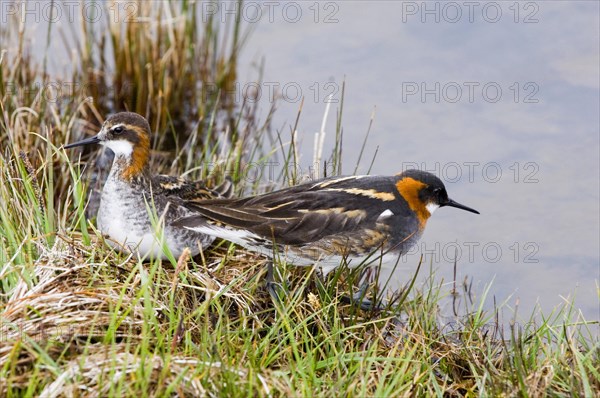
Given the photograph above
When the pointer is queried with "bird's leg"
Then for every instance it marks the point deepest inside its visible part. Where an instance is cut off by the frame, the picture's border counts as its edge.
(276, 290)
(272, 286)
(359, 298)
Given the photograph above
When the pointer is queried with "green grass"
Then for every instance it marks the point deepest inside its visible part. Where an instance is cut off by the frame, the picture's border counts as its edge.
(79, 319)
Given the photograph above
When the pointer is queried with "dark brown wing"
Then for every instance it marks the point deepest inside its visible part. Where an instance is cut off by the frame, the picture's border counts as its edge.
(304, 213)
(178, 189)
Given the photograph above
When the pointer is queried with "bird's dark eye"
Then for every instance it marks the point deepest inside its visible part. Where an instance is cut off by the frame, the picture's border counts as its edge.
(118, 130)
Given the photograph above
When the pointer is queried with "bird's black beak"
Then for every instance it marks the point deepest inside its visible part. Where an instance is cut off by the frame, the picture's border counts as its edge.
(452, 203)
(91, 140)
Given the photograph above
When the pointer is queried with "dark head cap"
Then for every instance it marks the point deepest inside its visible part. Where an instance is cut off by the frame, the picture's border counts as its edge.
(127, 134)
(429, 189)
(122, 133)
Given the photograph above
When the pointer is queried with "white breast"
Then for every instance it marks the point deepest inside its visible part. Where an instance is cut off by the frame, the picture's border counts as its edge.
(123, 216)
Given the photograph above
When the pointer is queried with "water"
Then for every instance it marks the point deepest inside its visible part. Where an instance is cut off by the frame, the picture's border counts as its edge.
(501, 100)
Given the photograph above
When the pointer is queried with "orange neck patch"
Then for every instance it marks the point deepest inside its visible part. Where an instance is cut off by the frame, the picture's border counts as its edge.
(409, 188)
(139, 158)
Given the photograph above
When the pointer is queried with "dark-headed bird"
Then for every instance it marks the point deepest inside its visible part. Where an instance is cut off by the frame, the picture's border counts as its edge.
(327, 222)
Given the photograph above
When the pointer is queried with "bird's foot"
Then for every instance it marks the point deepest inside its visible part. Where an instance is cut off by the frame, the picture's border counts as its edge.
(360, 300)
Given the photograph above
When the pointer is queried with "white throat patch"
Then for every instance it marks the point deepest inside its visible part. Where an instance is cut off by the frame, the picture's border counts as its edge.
(119, 147)
(431, 207)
